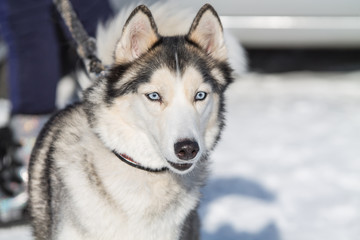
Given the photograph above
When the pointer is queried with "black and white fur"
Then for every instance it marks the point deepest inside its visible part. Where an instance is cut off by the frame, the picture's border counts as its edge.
(161, 107)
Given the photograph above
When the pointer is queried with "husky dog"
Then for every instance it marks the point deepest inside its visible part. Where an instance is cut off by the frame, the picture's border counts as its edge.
(129, 160)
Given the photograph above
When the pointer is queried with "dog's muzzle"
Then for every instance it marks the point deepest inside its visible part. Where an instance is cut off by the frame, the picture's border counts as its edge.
(185, 150)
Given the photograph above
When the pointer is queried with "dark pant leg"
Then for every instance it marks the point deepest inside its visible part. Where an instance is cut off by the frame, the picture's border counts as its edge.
(28, 28)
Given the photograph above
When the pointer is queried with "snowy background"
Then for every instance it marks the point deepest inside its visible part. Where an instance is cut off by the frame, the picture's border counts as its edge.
(288, 165)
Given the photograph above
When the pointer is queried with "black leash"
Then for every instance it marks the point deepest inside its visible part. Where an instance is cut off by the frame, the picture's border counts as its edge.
(86, 45)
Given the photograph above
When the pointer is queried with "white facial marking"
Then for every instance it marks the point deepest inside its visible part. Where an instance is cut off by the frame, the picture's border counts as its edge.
(177, 65)
(166, 110)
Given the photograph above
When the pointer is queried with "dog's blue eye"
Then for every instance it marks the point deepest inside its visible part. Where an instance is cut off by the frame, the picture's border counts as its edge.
(154, 96)
(200, 96)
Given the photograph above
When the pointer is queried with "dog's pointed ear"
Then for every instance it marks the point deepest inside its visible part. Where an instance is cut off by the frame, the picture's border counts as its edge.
(139, 34)
(206, 31)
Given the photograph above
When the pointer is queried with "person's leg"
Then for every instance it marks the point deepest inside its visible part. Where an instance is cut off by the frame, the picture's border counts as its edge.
(33, 73)
(28, 29)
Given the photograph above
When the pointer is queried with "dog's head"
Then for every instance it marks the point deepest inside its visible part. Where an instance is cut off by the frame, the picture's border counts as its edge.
(162, 103)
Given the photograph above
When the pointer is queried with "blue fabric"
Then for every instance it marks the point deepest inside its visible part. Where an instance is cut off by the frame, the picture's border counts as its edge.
(30, 28)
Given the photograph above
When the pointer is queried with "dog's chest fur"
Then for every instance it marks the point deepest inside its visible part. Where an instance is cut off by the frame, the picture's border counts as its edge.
(115, 199)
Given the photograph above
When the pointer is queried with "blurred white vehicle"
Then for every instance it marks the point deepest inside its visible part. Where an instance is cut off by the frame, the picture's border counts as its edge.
(290, 23)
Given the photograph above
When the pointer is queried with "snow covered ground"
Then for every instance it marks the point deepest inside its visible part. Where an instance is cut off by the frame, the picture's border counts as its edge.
(288, 165)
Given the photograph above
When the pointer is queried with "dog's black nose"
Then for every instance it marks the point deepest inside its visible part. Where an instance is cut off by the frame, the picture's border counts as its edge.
(186, 149)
